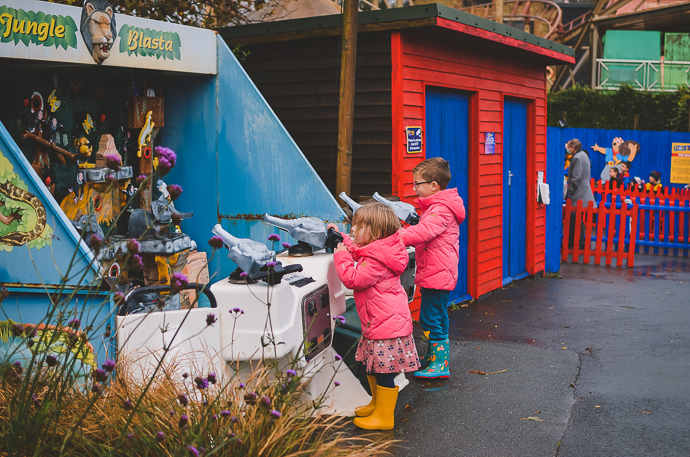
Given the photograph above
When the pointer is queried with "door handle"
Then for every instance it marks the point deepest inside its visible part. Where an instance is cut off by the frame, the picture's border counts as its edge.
(510, 175)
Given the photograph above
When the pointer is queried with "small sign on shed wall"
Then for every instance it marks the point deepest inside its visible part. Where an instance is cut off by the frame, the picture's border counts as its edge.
(414, 139)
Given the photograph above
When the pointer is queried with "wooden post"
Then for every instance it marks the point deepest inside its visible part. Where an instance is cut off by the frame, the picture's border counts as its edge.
(499, 11)
(346, 113)
(594, 53)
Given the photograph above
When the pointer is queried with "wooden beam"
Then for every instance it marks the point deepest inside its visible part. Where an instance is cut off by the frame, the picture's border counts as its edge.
(346, 113)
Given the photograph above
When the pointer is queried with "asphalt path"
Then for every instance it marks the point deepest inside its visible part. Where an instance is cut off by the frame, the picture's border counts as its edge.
(593, 364)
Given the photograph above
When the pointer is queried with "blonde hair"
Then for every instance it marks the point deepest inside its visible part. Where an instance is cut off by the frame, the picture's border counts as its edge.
(434, 169)
(380, 221)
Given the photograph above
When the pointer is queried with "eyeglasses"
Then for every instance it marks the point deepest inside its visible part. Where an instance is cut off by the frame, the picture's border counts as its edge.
(417, 184)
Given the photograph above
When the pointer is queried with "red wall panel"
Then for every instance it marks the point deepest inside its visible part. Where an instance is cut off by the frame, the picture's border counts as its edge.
(420, 61)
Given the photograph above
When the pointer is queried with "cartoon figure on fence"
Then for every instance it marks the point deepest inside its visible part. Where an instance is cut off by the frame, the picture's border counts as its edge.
(620, 151)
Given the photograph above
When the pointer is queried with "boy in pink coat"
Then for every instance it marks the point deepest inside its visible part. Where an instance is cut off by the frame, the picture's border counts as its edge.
(371, 266)
(436, 244)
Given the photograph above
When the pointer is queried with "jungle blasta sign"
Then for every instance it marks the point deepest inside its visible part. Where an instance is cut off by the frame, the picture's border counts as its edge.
(37, 27)
(96, 35)
(148, 42)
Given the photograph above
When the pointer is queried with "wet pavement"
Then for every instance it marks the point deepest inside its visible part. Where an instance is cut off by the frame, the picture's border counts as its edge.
(594, 364)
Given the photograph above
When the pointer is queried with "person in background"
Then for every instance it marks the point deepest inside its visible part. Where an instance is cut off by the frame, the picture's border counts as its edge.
(613, 178)
(654, 183)
(624, 175)
(579, 188)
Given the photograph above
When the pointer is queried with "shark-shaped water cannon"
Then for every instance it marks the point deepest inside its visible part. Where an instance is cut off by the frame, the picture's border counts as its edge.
(248, 254)
(404, 211)
(252, 257)
(308, 231)
(350, 202)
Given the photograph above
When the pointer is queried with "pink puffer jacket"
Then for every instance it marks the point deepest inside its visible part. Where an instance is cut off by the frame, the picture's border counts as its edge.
(435, 239)
(380, 298)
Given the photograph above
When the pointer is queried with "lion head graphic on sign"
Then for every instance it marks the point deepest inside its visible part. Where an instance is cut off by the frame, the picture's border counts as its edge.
(98, 28)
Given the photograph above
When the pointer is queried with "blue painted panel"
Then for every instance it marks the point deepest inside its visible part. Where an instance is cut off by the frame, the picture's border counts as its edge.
(554, 211)
(514, 189)
(447, 136)
(236, 160)
(57, 249)
(260, 167)
(655, 148)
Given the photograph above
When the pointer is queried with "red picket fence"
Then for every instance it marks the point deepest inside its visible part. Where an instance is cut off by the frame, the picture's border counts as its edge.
(609, 227)
(633, 192)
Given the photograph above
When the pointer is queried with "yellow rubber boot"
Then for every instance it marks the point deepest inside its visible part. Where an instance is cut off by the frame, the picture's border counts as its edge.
(366, 410)
(383, 417)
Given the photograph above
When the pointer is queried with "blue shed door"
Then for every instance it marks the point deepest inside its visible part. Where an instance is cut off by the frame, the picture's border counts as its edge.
(447, 128)
(514, 190)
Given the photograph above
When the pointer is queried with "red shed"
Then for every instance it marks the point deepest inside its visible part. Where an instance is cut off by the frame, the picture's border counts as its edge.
(431, 81)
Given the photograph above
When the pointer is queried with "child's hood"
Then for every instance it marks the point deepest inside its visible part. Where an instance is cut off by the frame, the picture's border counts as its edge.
(389, 251)
(447, 197)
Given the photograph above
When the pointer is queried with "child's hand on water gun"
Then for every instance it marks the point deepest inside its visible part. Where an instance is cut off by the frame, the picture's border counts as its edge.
(333, 226)
(340, 247)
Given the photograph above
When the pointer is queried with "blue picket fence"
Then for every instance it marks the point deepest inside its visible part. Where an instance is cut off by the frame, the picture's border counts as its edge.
(655, 154)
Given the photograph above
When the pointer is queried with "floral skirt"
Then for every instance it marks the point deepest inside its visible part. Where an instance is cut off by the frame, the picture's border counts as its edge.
(388, 356)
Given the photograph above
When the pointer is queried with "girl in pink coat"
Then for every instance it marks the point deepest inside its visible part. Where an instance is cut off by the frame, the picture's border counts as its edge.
(371, 266)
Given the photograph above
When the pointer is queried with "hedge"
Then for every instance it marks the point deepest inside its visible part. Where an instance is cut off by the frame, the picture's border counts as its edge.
(583, 107)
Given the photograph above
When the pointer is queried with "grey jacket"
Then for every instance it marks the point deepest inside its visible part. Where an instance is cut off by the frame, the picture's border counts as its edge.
(579, 180)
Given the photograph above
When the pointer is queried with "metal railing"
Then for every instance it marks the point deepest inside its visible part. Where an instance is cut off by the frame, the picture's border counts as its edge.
(652, 75)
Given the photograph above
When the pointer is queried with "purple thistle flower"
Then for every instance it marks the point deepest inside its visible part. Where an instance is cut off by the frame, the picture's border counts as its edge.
(109, 365)
(211, 319)
(201, 383)
(110, 178)
(336, 383)
(286, 245)
(136, 263)
(74, 323)
(183, 420)
(129, 436)
(271, 265)
(205, 402)
(225, 413)
(178, 281)
(172, 413)
(166, 159)
(51, 360)
(96, 388)
(160, 436)
(234, 420)
(119, 298)
(231, 435)
(338, 358)
(237, 311)
(250, 398)
(133, 246)
(243, 275)
(175, 191)
(95, 242)
(99, 375)
(242, 385)
(339, 320)
(192, 450)
(17, 329)
(212, 378)
(127, 405)
(273, 237)
(141, 178)
(291, 372)
(112, 162)
(216, 242)
(275, 414)
(265, 402)
(183, 399)
(214, 417)
(35, 400)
